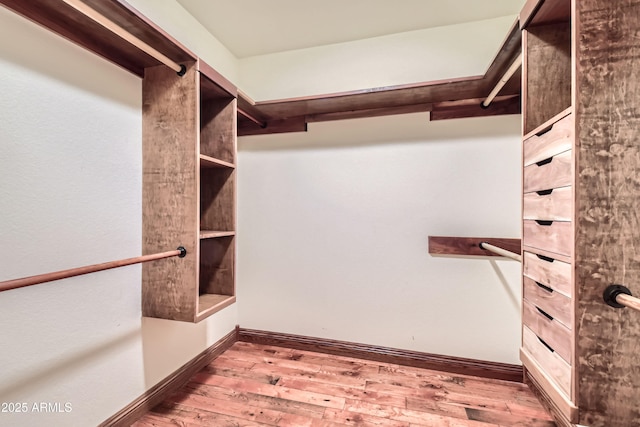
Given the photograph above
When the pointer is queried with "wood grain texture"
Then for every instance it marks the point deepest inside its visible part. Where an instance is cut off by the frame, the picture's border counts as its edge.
(210, 162)
(547, 61)
(608, 208)
(555, 204)
(217, 266)
(541, 12)
(553, 400)
(217, 199)
(159, 392)
(209, 304)
(555, 174)
(169, 188)
(259, 385)
(218, 80)
(549, 300)
(446, 245)
(217, 126)
(551, 331)
(551, 138)
(62, 19)
(548, 271)
(556, 237)
(295, 124)
(501, 105)
(550, 362)
(421, 360)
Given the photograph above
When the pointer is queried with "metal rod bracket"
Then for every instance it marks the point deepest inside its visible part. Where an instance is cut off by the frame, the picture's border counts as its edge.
(183, 251)
(611, 293)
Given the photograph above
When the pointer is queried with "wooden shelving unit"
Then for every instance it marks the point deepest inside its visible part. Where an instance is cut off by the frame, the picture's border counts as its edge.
(580, 112)
(189, 138)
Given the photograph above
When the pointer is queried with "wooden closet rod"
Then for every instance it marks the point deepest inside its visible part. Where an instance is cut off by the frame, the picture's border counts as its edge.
(502, 252)
(619, 296)
(63, 274)
(116, 29)
(505, 78)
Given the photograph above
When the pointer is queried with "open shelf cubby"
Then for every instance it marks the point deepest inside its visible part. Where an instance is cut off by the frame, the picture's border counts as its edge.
(547, 86)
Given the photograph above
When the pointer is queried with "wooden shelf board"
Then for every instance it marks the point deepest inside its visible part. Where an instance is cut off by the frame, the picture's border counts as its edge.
(444, 245)
(292, 114)
(212, 303)
(64, 20)
(211, 234)
(211, 162)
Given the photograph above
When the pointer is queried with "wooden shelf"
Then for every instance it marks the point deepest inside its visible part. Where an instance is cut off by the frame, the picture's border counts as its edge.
(444, 245)
(210, 162)
(211, 234)
(64, 20)
(445, 99)
(211, 303)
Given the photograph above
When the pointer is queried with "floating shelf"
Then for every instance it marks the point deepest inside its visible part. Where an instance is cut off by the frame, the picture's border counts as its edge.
(444, 245)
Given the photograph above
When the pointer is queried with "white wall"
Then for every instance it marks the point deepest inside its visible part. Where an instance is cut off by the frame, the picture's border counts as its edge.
(70, 195)
(416, 56)
(176, 21)
(333, 228)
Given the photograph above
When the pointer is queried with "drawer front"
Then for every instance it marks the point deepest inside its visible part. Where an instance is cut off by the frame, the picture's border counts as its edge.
(552, 204)
(552, 364)
(554, 172)
(550, 272)
(552, 236)
(549, 300)
(554, 333)
(550, 142)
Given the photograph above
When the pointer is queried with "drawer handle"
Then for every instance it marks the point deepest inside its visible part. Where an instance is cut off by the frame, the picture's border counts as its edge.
(544, 313)
(544, 192)
(544, 223)
(544, 162)
(545, 130)
(546, 345)
(546, 288)
(545, 258)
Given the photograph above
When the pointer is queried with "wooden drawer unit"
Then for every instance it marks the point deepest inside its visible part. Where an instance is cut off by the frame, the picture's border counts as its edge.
(552, 172)
(545, 326)
(548, 271)
(553, 204)
(551, 363)
(546, 298)
(552, 140)
(552, 236)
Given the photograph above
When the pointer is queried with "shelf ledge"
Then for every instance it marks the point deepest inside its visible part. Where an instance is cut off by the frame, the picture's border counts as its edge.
(470, 246)
(212, 303)
(210, 162)
(212, 234)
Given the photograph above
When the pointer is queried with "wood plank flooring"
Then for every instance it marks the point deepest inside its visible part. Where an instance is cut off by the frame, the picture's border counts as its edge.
(259, 385)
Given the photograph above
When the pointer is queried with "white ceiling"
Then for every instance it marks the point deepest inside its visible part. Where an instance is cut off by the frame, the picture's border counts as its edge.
(256, 27)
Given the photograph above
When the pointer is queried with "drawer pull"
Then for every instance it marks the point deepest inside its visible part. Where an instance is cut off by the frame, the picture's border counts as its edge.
(545, 258)
(544, 223)
(546, 345)
(545, 130)
(546, 288)
(544, 192)
(544, 313)
(544, 162)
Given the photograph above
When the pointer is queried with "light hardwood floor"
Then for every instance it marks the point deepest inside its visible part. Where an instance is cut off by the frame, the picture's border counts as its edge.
(259, 385)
